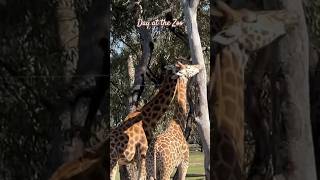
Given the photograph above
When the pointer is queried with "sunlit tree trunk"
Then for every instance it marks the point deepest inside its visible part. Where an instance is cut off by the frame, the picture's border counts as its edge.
(202, 115)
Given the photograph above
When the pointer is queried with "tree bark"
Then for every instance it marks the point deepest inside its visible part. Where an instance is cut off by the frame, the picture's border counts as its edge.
(295, 56)
(69, 41)
(81, 107)
(69, 35)
(202, 116)
(138, 86)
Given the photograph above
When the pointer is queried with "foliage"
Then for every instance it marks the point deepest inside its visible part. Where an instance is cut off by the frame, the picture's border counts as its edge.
(312, 10)
(167, 47)
(31, 82)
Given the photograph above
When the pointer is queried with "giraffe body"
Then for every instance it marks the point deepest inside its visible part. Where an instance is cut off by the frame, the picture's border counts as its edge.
(131, 139)
(245, 31)
(170, 149)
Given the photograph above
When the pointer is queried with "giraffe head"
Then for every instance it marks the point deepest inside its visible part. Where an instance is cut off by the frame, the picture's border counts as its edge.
(253, 30)
(183, 70)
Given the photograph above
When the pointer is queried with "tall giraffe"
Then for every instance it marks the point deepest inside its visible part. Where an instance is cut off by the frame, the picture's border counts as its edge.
(132, 138)
(244, 31)
(170, 149)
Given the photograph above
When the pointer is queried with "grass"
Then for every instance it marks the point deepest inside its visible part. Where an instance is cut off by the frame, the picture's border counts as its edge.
(195, 170)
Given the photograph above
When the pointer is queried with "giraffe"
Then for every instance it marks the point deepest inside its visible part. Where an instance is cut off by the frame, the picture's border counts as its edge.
(245, 31)
(170, 149)
(131, 139)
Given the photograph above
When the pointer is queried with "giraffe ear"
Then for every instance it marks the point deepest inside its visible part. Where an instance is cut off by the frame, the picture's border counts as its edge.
(229, 35)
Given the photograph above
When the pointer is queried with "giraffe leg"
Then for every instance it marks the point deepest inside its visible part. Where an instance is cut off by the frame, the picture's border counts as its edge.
(183, 169)
(113, 169)
(151, 164)
(165, 174)
(142, 163)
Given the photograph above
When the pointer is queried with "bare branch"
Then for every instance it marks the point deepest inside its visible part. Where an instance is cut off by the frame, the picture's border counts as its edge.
(194, 4)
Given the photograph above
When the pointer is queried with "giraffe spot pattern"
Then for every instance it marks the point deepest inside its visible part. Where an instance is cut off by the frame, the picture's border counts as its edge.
(230, 109)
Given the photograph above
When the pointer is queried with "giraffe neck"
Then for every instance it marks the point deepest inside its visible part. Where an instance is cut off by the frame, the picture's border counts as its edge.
(153, 111)
(229, 110)
(180, 112)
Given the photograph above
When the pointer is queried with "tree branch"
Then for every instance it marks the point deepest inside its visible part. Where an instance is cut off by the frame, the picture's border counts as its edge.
(194, 4)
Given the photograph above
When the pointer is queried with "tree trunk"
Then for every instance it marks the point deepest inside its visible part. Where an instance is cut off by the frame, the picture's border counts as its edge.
(202, 116)
(68, 142)
(69, 35)
(130, 170)
(295, 56)
(66, 18)
(138, 86)
(139, 77)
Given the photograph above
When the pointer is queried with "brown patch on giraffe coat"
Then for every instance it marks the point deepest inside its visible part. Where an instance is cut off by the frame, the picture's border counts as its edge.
(228, 91)
(144, 113)
(230, 108)
(167, 92)
(131, 141)
(230, 79)
(156, 108)
(131, 148)
(136, 138)
(162, 100)
(154, 115)
(121, 138)
(136, 130)
(156, 102)
(236, 64)
(226, 62)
